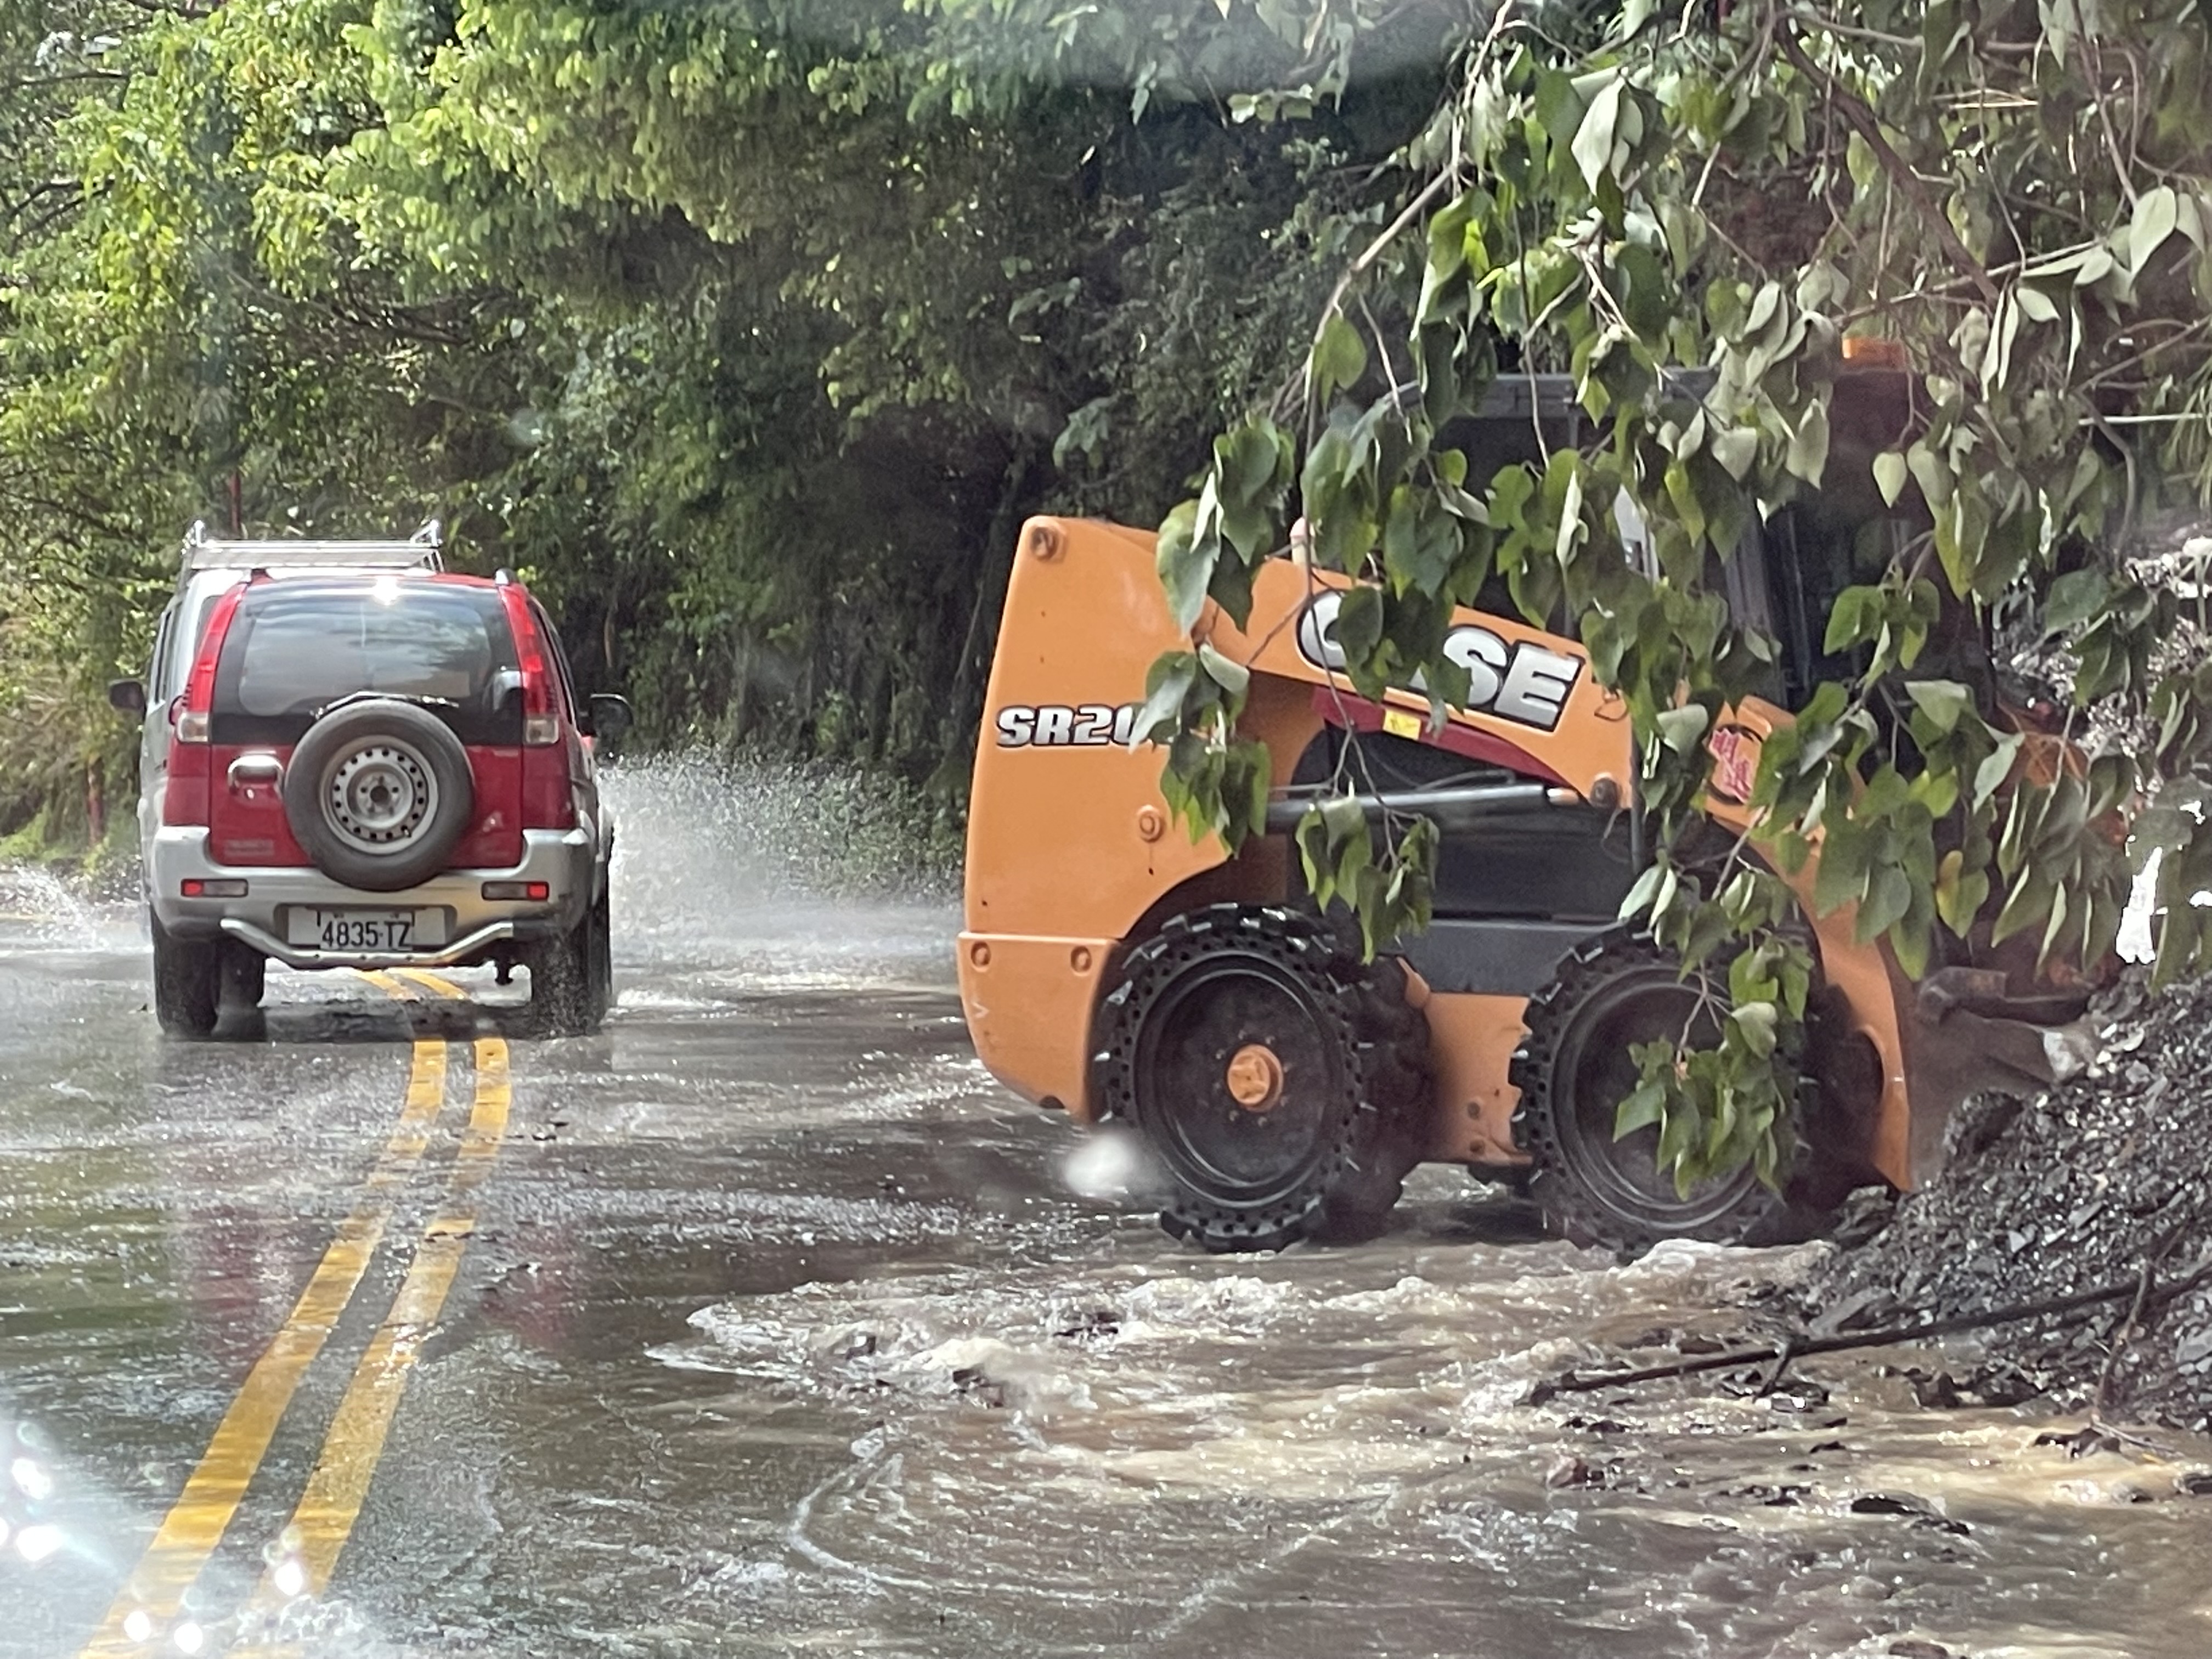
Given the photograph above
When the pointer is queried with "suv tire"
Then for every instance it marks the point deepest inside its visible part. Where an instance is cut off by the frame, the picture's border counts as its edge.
(378, 793)
(600, 963)
(243, 975)
(187, 983)
(563, 985)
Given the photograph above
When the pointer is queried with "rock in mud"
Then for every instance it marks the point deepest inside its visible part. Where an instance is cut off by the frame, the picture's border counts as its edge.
(2069, 1191)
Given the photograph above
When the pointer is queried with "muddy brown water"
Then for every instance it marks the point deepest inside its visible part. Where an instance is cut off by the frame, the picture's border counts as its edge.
(784, 1330)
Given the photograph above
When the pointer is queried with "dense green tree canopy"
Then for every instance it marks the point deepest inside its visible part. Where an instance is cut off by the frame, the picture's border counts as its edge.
(748, 330)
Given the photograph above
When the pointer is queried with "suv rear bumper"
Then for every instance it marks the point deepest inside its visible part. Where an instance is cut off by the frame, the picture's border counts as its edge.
(565, 861)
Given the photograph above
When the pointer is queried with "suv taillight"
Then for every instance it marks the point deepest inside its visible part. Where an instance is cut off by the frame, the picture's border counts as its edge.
(186, 801)
(541, 722)
(548, 801)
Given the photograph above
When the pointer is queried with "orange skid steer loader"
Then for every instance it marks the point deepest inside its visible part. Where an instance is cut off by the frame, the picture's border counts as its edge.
(1113, 967)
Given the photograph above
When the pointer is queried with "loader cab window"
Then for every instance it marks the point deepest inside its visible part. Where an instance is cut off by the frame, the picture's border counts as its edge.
(1810, 554)
(1506, 435)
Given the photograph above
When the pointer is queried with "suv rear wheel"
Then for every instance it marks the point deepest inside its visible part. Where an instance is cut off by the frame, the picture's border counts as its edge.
(243, 975)
(600, 962)
(187, 983)
(570, 977)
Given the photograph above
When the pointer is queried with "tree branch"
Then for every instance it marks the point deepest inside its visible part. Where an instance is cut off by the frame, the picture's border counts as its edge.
(1862, 121)
(1799, 1346)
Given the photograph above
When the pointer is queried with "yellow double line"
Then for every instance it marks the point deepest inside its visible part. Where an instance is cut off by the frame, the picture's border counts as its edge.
(146, 1612)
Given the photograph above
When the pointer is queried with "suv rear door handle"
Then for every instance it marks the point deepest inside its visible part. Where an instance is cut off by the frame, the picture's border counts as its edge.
(249, 770)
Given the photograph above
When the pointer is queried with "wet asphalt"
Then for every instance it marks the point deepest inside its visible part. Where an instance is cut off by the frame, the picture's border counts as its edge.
(774, 1326)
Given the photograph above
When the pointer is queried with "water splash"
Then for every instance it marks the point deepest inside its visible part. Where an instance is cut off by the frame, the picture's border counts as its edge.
(42, 909)
(763, 872)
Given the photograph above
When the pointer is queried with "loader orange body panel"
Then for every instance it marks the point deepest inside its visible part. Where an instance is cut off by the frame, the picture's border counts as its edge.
(1073, 854)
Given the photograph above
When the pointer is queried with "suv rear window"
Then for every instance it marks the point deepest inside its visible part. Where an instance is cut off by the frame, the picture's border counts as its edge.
(293, 650)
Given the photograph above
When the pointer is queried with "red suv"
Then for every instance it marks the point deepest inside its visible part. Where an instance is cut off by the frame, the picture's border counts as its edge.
(378, 769)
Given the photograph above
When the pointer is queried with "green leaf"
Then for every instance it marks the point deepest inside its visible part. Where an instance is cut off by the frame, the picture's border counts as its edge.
(1941, 700)
(1681, 728)
(1645, 890)
(1853, 620)
(1166, 683)
(2027, 904)
(1184, 569)
(1232, 677)
(1340, 358)
(1933, 475)
(2055, 928)
(1889, 895)
(2074, 598)
(1807, 454)
(1841, 876)
(1594, 138)
(1640, 1109)
(1312, 838)
(1736, 448)
(1996, 768)
(1889, 475)
(1757, 1021)
(1558, 106)
(1358, 624)
(2155, 217)
(1447, 254)
(1343, 816)
(1249, 458)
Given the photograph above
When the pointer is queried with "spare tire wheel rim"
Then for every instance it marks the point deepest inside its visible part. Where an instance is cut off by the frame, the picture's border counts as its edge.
(381, 797)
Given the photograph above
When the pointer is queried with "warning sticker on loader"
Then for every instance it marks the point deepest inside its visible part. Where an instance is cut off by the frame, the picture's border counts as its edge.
(1522, 683)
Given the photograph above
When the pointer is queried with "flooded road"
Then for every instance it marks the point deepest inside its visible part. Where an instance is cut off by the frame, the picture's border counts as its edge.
(764, 1322)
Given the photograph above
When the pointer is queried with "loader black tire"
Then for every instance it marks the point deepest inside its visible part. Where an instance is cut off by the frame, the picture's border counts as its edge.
(1573, 1068)
(1324, 1156)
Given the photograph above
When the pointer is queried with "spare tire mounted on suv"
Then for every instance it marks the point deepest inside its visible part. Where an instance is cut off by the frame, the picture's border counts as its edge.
(378, 793)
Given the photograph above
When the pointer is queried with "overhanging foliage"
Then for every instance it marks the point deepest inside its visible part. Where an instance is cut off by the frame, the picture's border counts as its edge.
(2019, 197)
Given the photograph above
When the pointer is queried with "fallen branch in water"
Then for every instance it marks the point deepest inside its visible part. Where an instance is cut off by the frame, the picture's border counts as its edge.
(2136, 1321)
(1782, 1354)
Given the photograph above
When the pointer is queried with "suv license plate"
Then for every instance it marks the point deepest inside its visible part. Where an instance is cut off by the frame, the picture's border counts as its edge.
(365, 930)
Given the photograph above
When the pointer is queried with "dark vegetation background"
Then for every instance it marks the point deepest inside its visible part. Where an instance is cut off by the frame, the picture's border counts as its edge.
(747, 332)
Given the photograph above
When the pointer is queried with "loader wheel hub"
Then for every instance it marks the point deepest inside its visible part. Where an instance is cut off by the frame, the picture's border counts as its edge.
(1255, 1077)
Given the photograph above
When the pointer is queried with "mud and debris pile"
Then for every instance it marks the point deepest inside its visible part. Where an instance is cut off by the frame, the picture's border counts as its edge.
(2060, 1193)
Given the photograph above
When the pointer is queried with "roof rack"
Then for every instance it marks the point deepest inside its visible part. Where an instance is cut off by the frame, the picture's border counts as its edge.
(425, 549)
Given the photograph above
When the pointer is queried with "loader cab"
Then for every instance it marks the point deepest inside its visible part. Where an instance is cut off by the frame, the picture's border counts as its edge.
(1783, 579)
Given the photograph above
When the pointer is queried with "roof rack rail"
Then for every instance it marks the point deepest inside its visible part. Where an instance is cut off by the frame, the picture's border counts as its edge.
(425, 550)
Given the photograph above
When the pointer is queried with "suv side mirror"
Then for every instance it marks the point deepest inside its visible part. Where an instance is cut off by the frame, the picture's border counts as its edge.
(127, 696)
(608, 717)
